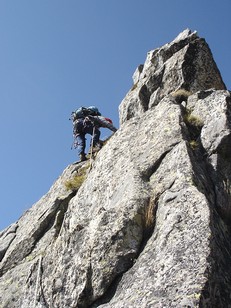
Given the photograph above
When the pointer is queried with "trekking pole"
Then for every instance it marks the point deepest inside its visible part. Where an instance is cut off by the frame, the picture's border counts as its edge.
(91, 150)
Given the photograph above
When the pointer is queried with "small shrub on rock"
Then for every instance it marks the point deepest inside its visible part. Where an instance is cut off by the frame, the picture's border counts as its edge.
(75, 183)
(181, 95)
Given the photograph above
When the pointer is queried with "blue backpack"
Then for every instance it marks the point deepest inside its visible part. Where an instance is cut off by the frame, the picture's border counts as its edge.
(94, 111)
(83, 112)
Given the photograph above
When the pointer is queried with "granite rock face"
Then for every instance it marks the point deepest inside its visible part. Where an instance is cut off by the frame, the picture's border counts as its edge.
(149, 226)
(185, 63)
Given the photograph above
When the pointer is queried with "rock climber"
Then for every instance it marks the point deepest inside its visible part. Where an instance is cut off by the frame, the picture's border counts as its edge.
(88, 121)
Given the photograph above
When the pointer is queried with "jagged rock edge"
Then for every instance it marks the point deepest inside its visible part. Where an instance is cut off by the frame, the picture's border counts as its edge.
(45, 225)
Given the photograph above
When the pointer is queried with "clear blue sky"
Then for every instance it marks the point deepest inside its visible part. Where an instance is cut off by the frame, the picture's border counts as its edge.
(56, 55)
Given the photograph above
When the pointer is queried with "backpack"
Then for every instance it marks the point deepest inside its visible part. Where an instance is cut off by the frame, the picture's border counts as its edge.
(83, 112)
(94, 111)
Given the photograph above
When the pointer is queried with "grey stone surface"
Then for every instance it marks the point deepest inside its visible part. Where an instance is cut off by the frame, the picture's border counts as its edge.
(186, 63)
(150, 224)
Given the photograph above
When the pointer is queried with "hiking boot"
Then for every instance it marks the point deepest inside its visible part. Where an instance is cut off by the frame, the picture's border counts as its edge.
(82, 157)
(96, 148)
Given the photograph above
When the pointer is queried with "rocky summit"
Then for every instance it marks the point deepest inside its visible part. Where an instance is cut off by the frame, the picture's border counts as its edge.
(147, 222)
